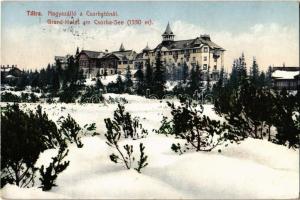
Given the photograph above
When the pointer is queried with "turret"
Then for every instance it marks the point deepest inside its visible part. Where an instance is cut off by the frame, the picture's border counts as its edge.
(168, 35)
(122, 47)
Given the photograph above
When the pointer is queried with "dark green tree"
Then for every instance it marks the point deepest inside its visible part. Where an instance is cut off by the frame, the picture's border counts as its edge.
(185, 72)
(140, 80)
(128, 81)
(149, 76)
(159, 76)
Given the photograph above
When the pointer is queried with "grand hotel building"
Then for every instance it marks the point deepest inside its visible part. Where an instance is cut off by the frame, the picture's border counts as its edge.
(199, 51)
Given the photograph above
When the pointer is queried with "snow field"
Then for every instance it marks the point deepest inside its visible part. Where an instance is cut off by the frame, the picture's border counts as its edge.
(252, 169)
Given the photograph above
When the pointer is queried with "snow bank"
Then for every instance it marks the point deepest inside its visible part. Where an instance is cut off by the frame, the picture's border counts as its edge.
(252, 169)
(14, 192)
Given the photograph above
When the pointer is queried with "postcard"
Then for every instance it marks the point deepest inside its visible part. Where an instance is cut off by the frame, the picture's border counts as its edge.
(150, 100)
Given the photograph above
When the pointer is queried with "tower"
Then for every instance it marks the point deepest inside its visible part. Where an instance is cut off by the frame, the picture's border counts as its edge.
(146, 49)
(168, 35)
(122, 47)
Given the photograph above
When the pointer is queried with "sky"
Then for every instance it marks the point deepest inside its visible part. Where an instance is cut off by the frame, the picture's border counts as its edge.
(268, 31)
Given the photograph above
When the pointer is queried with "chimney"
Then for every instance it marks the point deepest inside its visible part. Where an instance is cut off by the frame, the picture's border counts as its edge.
(205, 37)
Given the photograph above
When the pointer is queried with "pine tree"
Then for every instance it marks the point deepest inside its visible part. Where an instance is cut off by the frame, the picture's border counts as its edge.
(81, 78)
(60, 71)
(50, 174)
(242, 67)
(149, 76)
(208, 80)
(140, 80)
(269, 77)
(142, 163)
(221, 80)
(55, 82)
(262, 79)
(159, 76)
(195, 80)
(254, 72)
(128, 81)
(99, 84)
(71, 130)
(185, 72)
(120, 85)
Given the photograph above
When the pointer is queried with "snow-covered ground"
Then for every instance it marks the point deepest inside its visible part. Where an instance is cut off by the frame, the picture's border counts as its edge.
(105, 80)
(252, 169)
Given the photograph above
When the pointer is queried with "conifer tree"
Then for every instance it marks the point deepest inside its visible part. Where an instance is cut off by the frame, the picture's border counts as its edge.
(185, 72)
(120, 85)
(128, 81)
(254, 72)
(81, 78)
(195, 79)
(149, 76)
(208, 80)
(159, 76)
(55, 82)
(50, 174)
(269, 77)
(99, 84)
(140, 80)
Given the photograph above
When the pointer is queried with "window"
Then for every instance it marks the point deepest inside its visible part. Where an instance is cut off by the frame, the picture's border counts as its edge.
(125, 62)
(205, 49)
(165, 53)
(170, 53)
(215, 67)
(182, 51)
(111, 71)
(205, 58)
(120, 62)
(130, 62)
(198, 50)
(205, 66)
(102, 72)
(194, 50)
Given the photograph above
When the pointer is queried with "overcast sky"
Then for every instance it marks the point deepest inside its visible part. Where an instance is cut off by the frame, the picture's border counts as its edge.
(266, 30)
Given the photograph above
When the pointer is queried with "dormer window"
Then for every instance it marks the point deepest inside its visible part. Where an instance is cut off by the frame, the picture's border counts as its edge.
(205, 49)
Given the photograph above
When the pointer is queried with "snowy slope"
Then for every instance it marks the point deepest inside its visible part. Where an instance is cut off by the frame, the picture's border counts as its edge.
(253, 169)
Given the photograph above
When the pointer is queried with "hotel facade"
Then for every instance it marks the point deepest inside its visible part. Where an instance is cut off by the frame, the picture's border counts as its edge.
(200, 51)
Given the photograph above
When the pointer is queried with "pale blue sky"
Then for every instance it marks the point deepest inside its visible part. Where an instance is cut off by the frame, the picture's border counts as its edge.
(227, 16)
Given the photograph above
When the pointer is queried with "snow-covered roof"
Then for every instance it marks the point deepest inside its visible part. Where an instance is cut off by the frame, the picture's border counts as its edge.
(10, 76)
(281, 74)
